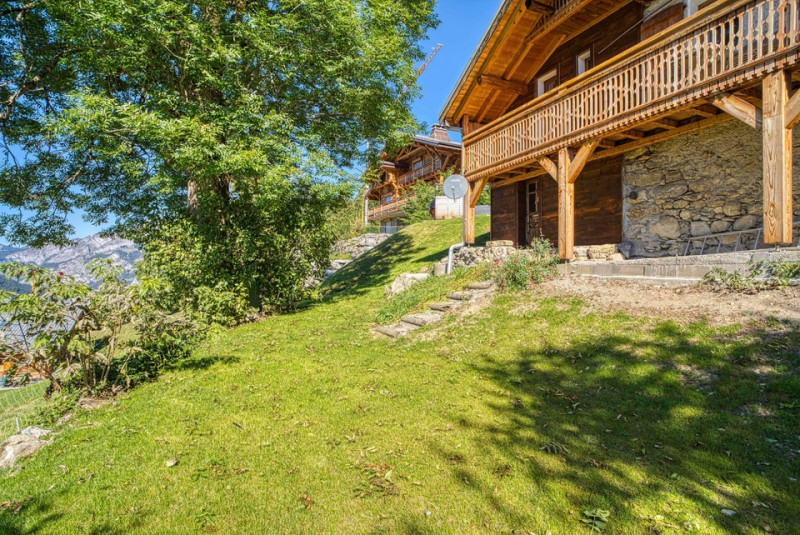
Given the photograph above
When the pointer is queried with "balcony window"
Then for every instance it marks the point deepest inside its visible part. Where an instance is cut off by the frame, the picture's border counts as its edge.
(547, 82)
(417, 165)
(584, 62)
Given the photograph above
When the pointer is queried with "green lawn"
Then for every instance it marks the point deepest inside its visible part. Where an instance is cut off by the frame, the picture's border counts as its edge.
(515, 420)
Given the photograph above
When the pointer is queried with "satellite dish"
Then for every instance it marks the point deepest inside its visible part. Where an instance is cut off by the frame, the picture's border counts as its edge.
(455, 187)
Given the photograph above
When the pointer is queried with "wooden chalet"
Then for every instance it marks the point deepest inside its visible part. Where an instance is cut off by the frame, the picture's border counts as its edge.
(569, 108)
(422, 160)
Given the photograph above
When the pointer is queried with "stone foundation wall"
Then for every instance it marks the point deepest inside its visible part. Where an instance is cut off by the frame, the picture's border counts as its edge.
(694, 185)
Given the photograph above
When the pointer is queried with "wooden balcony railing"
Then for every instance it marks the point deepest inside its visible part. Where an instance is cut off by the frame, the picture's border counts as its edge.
(424, 171)
(721, 48)
(384, 210)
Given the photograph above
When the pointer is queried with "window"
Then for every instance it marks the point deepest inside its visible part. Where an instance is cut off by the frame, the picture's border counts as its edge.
(584, 62)
(533, 207)
(387, 199)
(547, 82)
(417, 165)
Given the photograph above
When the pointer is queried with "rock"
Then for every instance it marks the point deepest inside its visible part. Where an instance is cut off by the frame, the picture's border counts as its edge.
(440, 269)
(171, 462)
(424, 318)
(581, 253)
(616, 257)
(601, 252)
(645, 178)
(90, 404)
(746, 222)
(732, 208)
(670, 191)
(359, 245)
(728, 512)
(403, 282)
(719, 226)
(36, 432)
(699, 228)
(625, 248)
(19, 447)
(499, 243)
(64, 419)
(667, 228)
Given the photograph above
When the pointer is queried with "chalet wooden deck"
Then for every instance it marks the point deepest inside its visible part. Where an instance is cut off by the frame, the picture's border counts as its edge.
(702, 71)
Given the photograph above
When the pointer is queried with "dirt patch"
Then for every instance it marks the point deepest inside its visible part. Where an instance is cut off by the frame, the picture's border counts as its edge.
(683, 304)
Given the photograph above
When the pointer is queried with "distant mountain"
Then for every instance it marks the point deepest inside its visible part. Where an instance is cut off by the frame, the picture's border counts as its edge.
(72, 260)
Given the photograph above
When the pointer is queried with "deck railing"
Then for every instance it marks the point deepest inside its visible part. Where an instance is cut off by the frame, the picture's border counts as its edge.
(382, 210)
(718, 49)
(423, 171)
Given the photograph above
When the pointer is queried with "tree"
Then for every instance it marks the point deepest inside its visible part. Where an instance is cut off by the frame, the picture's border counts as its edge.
(199, 118)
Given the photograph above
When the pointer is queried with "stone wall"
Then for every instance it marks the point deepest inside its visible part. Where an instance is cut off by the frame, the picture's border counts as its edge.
(693, 185)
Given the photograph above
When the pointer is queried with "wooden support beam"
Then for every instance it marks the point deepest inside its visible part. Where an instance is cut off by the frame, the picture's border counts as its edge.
(777, 159)
(479, 185)
(569, 167)
(793, 111)
(503, 85)
(705, 110)
(739, 108)
(468, 229)
(665, 122)
(550, 166)
(539, 7)
(632, 134)
(607, 144)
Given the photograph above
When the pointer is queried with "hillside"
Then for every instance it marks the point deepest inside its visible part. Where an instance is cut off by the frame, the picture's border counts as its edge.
(72, 259)
(525, 416)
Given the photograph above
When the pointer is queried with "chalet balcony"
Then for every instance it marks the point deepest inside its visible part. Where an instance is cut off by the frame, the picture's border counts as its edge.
(672, 82)
(388, 210)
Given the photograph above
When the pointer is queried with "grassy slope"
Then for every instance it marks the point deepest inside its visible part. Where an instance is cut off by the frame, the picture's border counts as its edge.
(282, 426)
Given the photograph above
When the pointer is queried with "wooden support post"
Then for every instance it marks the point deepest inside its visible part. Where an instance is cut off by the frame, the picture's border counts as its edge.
(566, 207)
(469, 216)
(496, 82)
(777, 159)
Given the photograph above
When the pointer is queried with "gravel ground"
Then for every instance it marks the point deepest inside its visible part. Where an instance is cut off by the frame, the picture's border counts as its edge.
(683, 303)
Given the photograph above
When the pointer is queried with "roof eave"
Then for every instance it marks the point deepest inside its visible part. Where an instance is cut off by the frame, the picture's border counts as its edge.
(498, 16)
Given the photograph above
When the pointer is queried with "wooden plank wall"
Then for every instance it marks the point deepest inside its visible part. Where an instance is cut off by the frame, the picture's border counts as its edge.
(598, 206)
(606, 39)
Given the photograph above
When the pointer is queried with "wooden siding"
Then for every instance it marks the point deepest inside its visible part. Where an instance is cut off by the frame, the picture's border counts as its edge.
(598, 206)
(663, 19)
(605, 39)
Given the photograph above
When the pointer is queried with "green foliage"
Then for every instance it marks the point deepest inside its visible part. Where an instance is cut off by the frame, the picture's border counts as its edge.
(596, 519)
(73, 335)
(525, 267)
(762, 275)
(348, 221)
(418, 201)
(225, 120)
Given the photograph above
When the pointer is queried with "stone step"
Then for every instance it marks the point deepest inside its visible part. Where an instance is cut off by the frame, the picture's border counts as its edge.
(461, 296)
(444, 306)
(483, 285)
(396, 330)
(424, 318)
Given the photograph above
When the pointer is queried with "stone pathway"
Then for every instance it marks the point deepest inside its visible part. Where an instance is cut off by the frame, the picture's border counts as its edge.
(436, 311)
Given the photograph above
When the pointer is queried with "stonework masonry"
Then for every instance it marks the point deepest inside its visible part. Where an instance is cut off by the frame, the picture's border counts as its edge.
(703, 183)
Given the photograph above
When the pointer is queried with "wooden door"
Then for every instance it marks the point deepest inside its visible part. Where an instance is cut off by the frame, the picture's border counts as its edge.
(533, 216)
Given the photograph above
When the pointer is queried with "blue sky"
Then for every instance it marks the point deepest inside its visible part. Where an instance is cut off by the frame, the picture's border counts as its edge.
(462, 25)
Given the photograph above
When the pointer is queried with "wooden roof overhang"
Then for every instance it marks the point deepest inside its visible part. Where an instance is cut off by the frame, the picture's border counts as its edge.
(518, 42)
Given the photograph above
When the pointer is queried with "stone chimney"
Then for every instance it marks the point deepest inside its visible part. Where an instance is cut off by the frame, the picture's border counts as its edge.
(440, 132)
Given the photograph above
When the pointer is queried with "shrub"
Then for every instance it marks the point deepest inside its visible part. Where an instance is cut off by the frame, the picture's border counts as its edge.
(83, 338)
(524, 268)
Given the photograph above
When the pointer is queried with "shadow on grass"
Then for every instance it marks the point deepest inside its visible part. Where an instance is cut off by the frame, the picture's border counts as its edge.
(41, 509)
(371, 270)
(203, 363)
(685, 423)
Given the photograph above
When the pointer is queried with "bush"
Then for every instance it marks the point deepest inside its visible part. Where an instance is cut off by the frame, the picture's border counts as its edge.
(524, 268)
(84, 339)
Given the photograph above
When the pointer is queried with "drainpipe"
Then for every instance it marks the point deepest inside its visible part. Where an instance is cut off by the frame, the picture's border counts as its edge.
(450, 256)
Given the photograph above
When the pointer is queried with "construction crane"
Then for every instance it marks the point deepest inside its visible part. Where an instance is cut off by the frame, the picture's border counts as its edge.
(428, 60)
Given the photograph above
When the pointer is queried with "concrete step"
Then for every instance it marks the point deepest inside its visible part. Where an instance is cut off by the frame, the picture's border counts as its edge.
(396, 330)
(424, 318)
(483, 285)
(444, 306)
